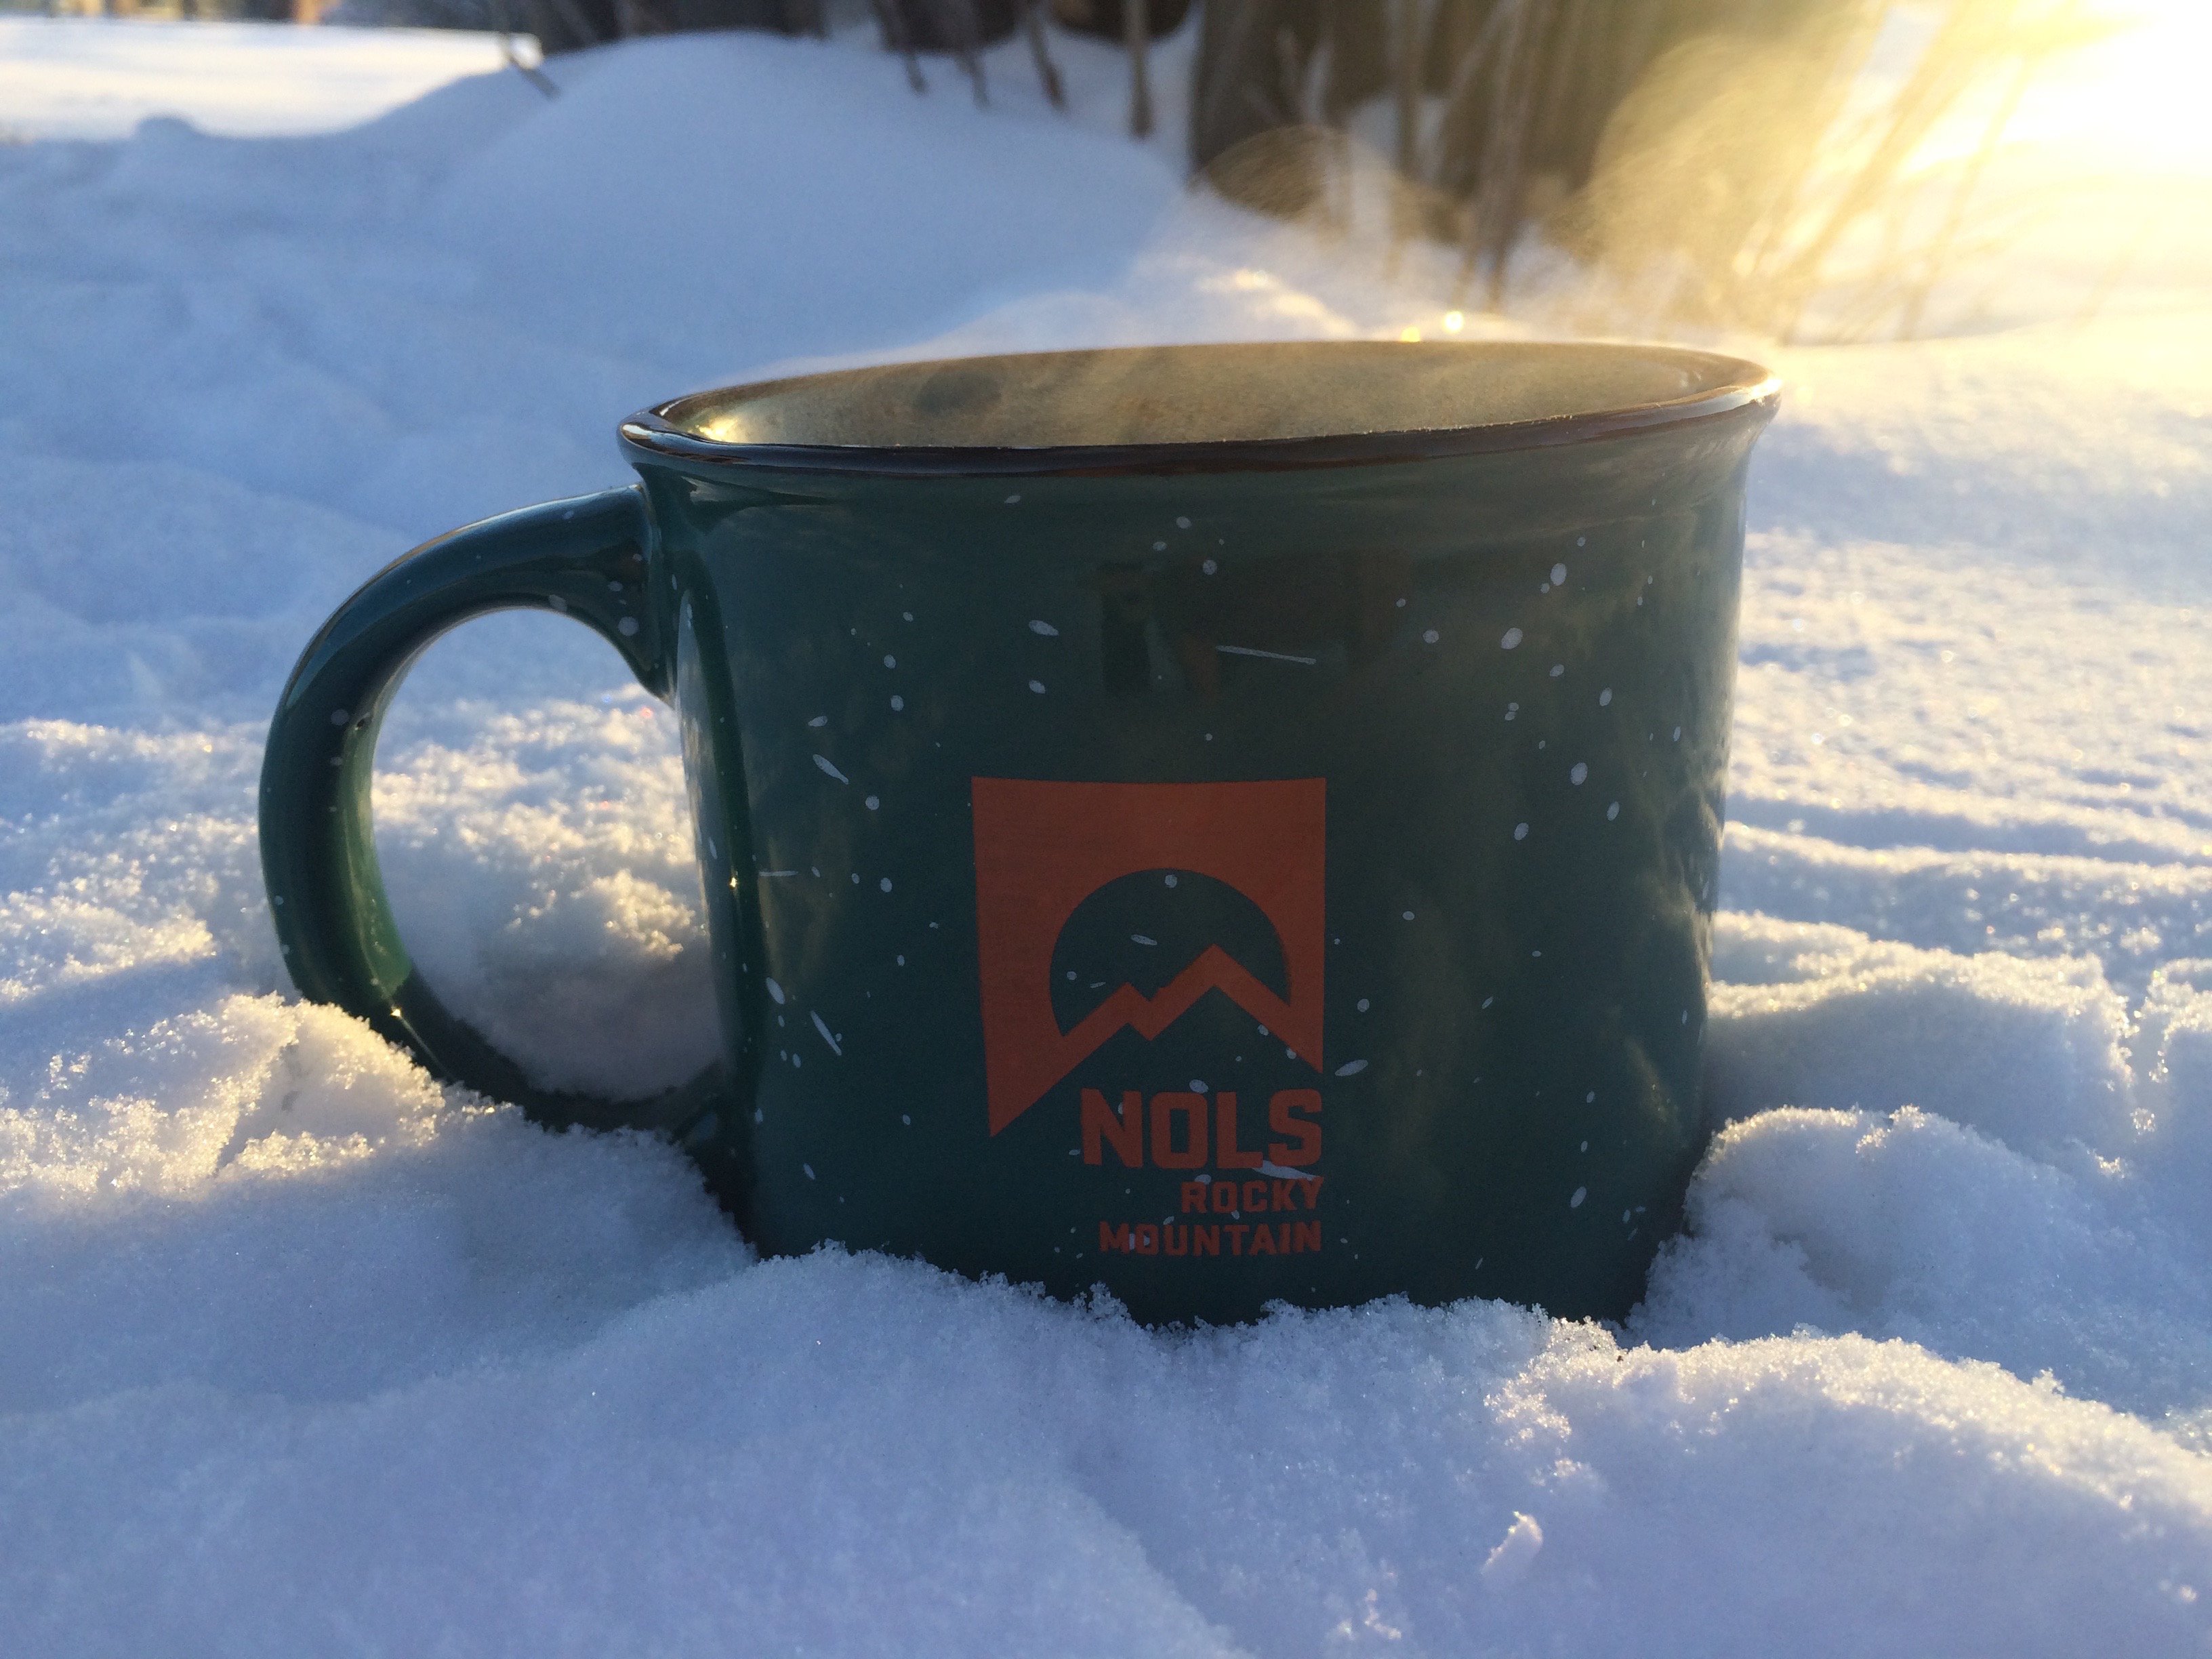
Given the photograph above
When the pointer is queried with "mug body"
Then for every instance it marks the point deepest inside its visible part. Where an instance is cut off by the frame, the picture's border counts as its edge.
(1222, 872)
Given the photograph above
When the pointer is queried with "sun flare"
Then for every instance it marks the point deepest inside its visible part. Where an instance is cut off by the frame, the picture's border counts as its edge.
(2133, 102)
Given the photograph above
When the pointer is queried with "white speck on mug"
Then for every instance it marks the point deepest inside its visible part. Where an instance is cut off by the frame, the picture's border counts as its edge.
(1512, 638)
(1577, 773)
(1520, 832)
(1038, 626)
(1352, 1068)
(1575, 1202)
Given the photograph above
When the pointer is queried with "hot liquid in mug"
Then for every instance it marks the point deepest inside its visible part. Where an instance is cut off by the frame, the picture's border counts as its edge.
(1222, 822)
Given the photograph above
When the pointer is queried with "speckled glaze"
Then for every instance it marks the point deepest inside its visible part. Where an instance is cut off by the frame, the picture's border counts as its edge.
(1415, 738)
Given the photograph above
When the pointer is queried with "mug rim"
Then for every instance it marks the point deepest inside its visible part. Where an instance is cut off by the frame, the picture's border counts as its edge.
(651, 435)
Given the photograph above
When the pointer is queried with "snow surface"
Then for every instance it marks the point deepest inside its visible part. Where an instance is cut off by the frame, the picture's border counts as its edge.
(301, 1354)
(82, 77)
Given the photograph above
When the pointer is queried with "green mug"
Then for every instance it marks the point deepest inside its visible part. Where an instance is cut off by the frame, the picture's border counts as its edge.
(1225, 823)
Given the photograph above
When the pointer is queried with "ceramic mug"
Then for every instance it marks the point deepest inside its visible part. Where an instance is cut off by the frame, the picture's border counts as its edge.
(1222, 822)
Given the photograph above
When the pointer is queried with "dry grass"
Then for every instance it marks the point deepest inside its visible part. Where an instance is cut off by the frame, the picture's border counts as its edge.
(1733, 165)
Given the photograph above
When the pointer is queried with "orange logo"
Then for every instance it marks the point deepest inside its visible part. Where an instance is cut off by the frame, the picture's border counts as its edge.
(1042, 848)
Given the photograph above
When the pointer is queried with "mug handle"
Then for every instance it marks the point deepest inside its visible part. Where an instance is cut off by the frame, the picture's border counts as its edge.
(589, 558)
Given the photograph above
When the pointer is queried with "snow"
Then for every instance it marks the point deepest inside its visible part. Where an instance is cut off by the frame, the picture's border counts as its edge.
(79, 77)
(301, 1353)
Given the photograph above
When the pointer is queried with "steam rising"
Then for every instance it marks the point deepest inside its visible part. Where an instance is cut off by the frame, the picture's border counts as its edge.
(1198, 394)
(1798, 170)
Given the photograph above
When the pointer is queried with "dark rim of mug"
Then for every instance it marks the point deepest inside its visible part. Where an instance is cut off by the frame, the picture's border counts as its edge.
(1744, 385)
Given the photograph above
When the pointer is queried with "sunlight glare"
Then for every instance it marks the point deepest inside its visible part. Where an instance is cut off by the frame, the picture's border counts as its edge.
(2134, 102)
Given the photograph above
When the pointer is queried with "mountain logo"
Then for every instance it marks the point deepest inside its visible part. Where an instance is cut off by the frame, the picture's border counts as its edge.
(1042, 848)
